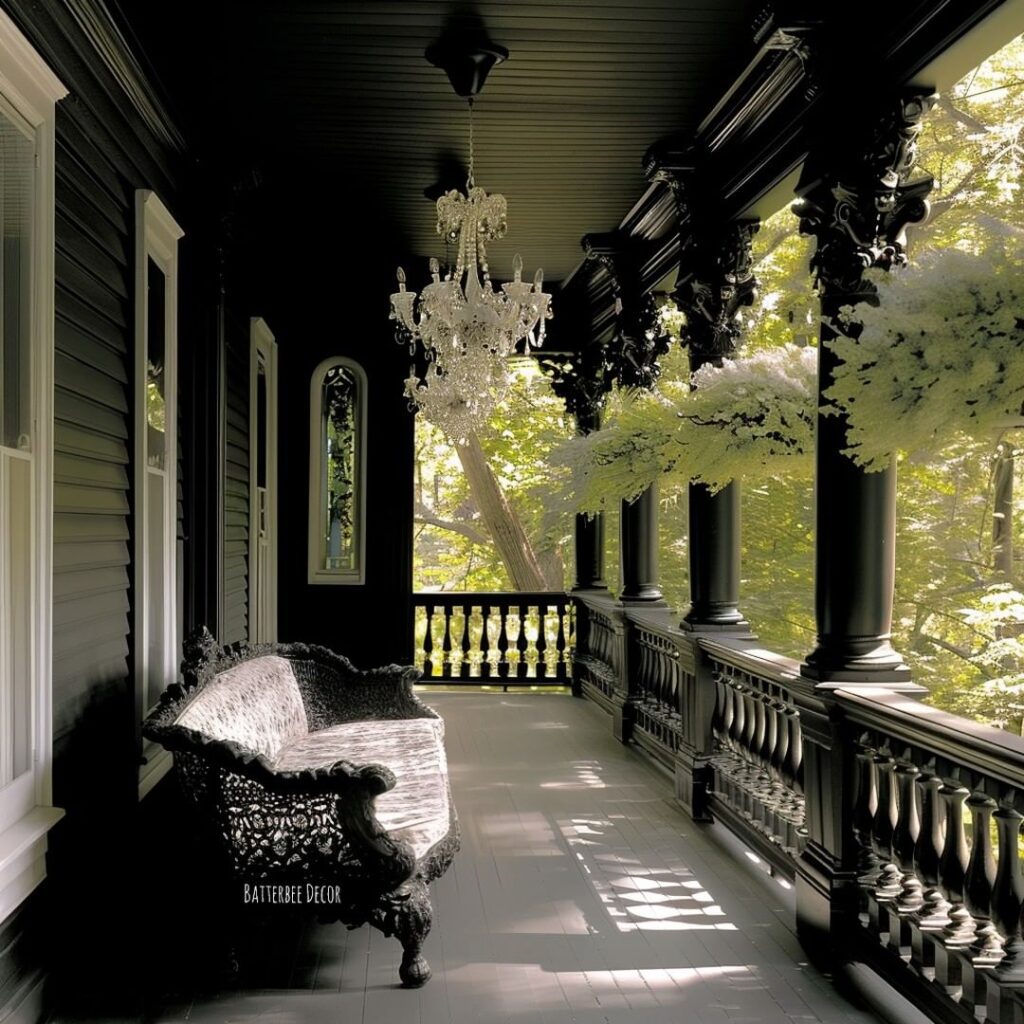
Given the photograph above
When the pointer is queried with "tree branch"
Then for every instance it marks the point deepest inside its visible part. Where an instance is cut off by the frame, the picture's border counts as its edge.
(424, 516)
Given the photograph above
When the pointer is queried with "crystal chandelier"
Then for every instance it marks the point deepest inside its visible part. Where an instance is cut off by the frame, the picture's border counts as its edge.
(465, 329)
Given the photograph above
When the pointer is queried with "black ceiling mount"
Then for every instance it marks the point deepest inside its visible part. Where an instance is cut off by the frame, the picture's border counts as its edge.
(467, 64)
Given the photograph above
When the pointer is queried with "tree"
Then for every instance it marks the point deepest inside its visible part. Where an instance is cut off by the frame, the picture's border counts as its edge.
(481, 521)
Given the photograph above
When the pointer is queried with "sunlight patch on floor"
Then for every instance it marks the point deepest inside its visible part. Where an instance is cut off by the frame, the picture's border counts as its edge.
(637, 897)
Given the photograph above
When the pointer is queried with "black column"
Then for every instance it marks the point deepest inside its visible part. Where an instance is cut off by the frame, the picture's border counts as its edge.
(638, 547)
(714, 525)
(857, 204)
(716, 281)
(589, 528)
(590, 552)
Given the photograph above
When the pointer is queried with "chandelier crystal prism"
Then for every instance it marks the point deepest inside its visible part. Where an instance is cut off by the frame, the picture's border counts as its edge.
(462, 326)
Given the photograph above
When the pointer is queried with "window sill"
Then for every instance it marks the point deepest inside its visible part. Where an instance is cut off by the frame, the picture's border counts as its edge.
(156, 767)
(319, 577)
(22, 856)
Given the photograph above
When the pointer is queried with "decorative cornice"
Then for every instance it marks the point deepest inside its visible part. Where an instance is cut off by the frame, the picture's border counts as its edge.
(716, 280)
(859, 201)
(99, 27)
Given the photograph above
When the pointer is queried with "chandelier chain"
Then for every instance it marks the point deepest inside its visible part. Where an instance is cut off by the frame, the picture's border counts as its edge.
(469, 180)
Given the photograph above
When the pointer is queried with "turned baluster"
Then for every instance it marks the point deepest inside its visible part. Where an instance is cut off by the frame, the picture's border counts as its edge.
(953, 867)
(642, 681)
(677, 690)
(750, 725)
(883, 832)
(733, 728)
(660, 675)
(742, 718)
(522, 644)
(980, 880)
(768, 732)
(908, 827)
(542, 641)
(560, 667)
(428, 643)
(485, 642)
(446, 644)
(757, 737)
(464, 641)
(503, 610)
(604, 640)
(780, 744)
(791, 749)
(1008, 895)
(796, 746)
(721, 719)
(664, 677)
(865, 807)
(934, 912)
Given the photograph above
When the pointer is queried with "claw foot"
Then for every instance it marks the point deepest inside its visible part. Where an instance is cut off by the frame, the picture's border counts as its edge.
(415, 971)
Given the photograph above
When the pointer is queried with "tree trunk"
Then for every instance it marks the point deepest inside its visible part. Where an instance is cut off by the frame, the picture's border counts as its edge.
(499, 517)
(1002, 522)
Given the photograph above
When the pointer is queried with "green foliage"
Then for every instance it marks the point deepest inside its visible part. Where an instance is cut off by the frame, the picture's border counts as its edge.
(749, 418)
(452, 550)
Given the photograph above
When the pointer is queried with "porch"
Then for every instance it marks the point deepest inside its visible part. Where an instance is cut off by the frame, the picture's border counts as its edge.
(581, 893)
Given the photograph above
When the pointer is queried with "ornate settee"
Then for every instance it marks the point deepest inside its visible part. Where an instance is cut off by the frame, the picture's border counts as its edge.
(316, 777)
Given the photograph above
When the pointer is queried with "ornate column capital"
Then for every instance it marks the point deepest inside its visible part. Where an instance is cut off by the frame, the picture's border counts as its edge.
(582, 381)
(716, 280)
(640, 343)
(639, 339)
(858, 199)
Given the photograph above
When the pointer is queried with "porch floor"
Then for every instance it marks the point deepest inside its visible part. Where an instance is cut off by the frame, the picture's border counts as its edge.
(581, 894)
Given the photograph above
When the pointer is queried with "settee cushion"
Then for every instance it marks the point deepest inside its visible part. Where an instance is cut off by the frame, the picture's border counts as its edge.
(416, 810)
(256, 704)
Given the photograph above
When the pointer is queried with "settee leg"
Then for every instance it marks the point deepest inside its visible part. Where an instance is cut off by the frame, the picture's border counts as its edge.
(415, 916)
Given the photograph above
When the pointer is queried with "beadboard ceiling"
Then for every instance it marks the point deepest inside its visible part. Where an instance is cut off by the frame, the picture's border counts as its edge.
(561, 127)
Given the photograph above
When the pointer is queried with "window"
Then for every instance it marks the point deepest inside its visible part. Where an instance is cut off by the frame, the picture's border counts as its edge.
(337, 473)
(156, 605)
(28, 92)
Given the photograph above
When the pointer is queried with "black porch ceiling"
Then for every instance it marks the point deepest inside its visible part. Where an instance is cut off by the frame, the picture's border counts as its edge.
(560, 128)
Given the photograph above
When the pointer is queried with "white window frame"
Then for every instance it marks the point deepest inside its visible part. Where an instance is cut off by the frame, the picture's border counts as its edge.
(26, 806)
(262, 345)
(156, 239)
(318, 574)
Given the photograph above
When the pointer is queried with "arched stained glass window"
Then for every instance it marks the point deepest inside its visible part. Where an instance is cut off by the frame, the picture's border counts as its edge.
(337, 472)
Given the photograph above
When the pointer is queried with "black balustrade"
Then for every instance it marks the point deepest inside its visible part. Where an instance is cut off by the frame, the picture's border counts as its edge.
(757, 755)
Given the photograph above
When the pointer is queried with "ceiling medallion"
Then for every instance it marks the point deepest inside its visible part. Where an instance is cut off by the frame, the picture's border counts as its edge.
(463, 327)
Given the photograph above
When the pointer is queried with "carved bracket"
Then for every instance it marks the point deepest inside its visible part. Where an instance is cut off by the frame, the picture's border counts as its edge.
(858, 208)
(716, 280)
(640, 343)
(582, 381)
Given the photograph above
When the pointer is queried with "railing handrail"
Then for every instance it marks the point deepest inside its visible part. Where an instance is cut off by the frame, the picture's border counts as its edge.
(442, 598)
(965, 743)
(751, 656)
